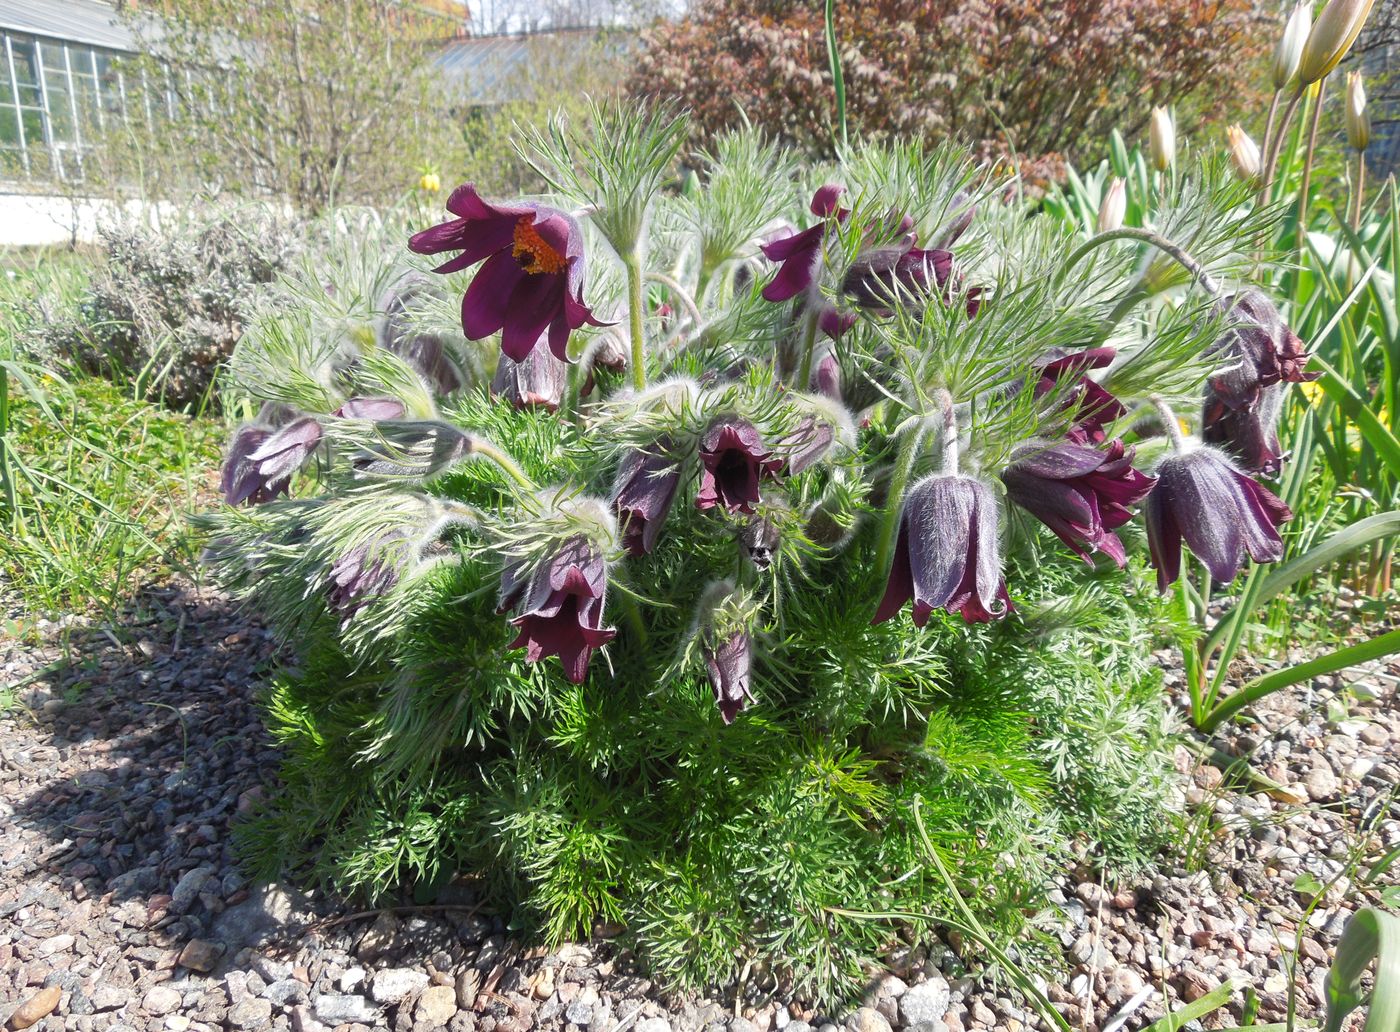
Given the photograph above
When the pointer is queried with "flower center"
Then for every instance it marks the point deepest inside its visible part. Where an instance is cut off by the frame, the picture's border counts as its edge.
(533, 252)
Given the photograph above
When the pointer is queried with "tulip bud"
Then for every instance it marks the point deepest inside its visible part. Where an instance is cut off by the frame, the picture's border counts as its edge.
(1331, 37)
(1161, 139)
(1113, 207)
(1244, 153)
(1357, 119)
(1290, 45)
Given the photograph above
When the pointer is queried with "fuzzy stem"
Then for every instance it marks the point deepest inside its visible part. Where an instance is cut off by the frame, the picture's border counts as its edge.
(633, 614)
(569, 405)
(1169, 421)
(948, 438)
(1308, 166)
(679, 292)
(1207, 281)
(634, 313)
(1266, 182)
(487, 450)
(894, 498)
(809, 344)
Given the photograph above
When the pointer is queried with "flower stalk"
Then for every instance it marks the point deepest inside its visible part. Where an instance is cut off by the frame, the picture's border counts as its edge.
(634, 317)
(1208, 282)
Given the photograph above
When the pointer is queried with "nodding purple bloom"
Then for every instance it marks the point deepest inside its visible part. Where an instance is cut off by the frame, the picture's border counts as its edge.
(733, 459)
(1221, 514)
(366, 572)
(1250, 434)
(1258, 351)
(1094, 407)
(647, 481)
(808, 442)
(826, 376)
(1080, 493)
(947, 555)
(261, 462)
(884, 277)
(728, 663)
(371, 408)
(609, 353)
(536, 381)
(800, 253)
(530, 286)
(562, 607)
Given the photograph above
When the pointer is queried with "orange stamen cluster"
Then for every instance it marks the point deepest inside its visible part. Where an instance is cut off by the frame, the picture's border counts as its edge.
(533, 252)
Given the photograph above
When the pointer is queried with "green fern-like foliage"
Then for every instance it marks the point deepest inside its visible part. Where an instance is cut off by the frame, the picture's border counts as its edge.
(420, 744)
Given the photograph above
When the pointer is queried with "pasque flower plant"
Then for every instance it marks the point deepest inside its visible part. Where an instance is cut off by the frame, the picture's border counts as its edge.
(896, 393)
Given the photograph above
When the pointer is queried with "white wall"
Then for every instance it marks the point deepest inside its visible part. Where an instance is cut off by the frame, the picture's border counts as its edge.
(32, 220)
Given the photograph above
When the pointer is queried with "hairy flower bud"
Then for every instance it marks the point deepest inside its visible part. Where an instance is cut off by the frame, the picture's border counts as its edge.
(1289, 50)
(536, 381)
(1247, 432)
(947, 555)
(1221, 514)
(647, 481)
(1161, 139)
(1114, 206)
(427, 352)
(1358, 119)
(760, 539)
(261, 461)
(1258, 350)
(728, 661)
(367, 571)
(240, 481)
(1331, 37)
(373, 409)
(1244, 153)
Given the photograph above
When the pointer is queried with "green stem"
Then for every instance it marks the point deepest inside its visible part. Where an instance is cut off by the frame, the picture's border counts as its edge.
(838, 78)
(634, 314)
(1307, 168)
(488, 450)
(1266, 181)
(809, 344)
(1332, 662)
(633, 614)
(1207, 281)
(678, 292)
(894, 499)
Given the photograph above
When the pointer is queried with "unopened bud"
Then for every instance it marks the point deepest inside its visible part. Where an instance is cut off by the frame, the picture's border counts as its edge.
(1289, 50)
(1114, 206)
(1244, 153)
(1331, 37)
(1357, 119)
(1161, 139)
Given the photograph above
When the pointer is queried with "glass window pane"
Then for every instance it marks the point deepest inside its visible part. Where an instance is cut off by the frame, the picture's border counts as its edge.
(9, 127)
(52, 54)
(33, 121)
(23, 50)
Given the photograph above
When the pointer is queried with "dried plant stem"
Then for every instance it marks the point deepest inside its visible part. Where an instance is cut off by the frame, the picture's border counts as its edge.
(1307, 166)
(1207, 281)
(634, 315)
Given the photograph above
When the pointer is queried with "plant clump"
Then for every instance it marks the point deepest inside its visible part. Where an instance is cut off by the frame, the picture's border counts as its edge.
(623, 632)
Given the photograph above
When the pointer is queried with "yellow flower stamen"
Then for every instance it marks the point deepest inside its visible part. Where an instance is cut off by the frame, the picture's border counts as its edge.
(533, 252)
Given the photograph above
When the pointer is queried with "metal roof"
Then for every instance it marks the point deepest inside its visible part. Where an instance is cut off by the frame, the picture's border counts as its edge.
(496, 69)
(76, 21)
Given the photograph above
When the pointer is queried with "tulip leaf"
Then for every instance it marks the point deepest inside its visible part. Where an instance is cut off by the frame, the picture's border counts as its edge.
(1370, 935)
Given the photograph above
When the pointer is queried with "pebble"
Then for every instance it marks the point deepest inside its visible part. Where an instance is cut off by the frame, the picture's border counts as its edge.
(927, 1001)
(253, 1012)
(393, 984)
(160, 1000)
(867, 1019)
(36, 1008)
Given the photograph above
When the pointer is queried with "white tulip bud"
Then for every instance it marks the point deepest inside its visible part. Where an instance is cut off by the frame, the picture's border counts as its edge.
(1290, 45)
(1244, 153)
(1357, 118)
(1113, 207)
(1161, 139)
(1331, 37)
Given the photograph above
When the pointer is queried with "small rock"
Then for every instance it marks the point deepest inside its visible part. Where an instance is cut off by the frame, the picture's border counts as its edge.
(178, 1023)
(927, 1001)
(352, 979)
(253, 1012)
(468, 984)
(580, 1012)
(285, 992)
(56, 944)
(339, 1010)
(201, 955)
(437, 1005)
(1374, 734)
(36, 1008)
(1195, 984)
(377, 938)
(1321, 783)
(188, 888)
(392, 984)
(304, 1021)
(868, 1019)
(654, 1025)
(160, 1001)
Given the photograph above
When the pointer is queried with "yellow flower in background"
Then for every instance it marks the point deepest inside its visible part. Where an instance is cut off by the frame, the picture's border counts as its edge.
(1312, 390)
(430, 182)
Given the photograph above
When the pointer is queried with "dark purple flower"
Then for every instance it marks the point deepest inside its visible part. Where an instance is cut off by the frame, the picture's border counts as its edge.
(536, 381)
(884, 277)
(1222, 514)
(1250, 433)
(826, 376)
(728, 664)
(733, 459)
(1258, 350)
(1080, 493)
(1094, 407)
(261, 461)
(646, 486)
(799, 253)
(371, 408)
(808, 442)
(562, 607)
(531, 283)
(426, 351)
(947, 555)
(366, 572)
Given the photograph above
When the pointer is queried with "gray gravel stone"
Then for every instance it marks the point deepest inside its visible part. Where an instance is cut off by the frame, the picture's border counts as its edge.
(393, 984)
(927, 1001)
(338, 1009)
(868, 1019)
(160, 1000)
(251, 1013)
(653, 1025)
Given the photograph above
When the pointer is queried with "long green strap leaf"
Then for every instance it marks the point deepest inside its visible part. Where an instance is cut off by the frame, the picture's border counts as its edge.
(1370, 935)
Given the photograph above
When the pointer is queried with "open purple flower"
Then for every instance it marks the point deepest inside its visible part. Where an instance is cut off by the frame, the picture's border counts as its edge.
(1259, 350)
(799, 254)
(947, 555)
(1080, 493)
(733, 459)
(1249, 433)
(884, 277)
(1221, 514)
(261, 462)
(646, 486)
(371, 408)
(728, 663)
(531, 283)
(536, 381)
(562, 607)
(1094, 406)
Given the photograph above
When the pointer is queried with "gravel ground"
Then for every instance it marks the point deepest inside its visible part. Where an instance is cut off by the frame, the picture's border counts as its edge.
(120, 907)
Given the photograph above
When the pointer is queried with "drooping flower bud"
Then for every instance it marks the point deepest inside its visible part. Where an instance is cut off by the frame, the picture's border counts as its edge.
(1113, 209)
(961, 211)
(1358, 119)
(261, 461)
(1161, 139)
(947, 555)
(412, 449)
(760, 539)
(373, 409)
(366, 572)
(1094, 406)
(733, 459)
(1221, 514)
(240, 481)
(1244, 153)
(1080, 493)
(536, 381)
(1289, 50)
(826, 376)
(647, 481)
(1331, 37)
(728, 662)
(1255, 352)
(561, 606)
(426, 351)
